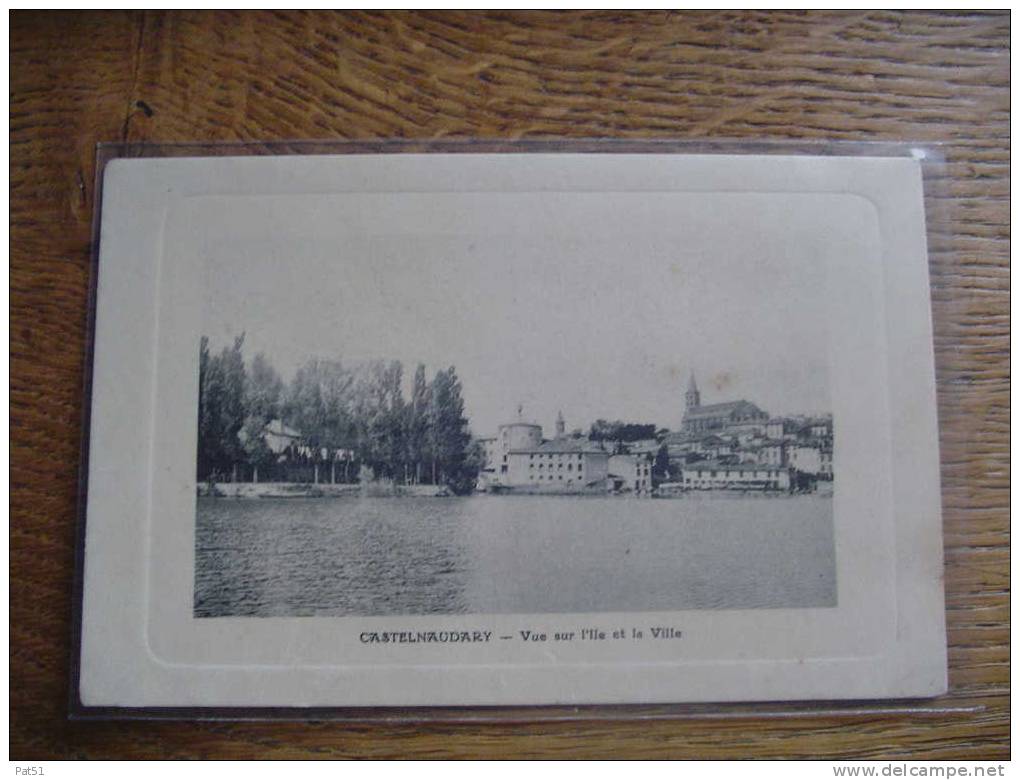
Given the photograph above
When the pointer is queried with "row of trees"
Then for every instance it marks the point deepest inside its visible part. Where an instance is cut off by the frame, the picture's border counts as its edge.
(359, 410)
(620, 431)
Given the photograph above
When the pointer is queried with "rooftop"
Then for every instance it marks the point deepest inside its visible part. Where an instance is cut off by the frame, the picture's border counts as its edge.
(725, 408)
(520, 423)
(644, 447)
(567, 445)
(681, 437)
(714, 465)
(279, 428)
(713, 439)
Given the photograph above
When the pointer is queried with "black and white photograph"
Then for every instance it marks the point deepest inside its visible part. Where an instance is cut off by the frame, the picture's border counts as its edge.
(423, 418)
(426, 429)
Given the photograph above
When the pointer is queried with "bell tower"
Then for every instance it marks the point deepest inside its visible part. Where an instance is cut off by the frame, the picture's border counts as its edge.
(561, 426)
(692, 397)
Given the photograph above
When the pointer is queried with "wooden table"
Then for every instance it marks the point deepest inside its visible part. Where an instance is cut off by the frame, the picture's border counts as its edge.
(77, 79)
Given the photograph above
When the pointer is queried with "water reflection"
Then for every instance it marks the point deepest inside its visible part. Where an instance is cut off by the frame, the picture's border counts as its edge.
(490, 555)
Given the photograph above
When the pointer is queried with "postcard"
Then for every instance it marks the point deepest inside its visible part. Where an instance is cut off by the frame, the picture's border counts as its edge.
(511, 429)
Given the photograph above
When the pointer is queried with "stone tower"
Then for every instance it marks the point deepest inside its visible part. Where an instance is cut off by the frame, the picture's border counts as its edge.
(692, 397)
(561, 426)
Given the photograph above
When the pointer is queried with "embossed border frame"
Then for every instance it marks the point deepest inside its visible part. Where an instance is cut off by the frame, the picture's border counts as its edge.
(938, 228)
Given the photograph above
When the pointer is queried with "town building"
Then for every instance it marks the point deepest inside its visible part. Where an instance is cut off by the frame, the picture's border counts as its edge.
(750, 453)
(630, 473)
(812, 457)
(745, 447)
(518, 457)
(679, 444)
(806, 458)
(559, 465)
(773, 453)
(826, 464)
(713, 446)
(491, 458)
(782, 428)
(294, 460)
(734, 445)
(730, 415)
(645, 446)
(713, 475)
(279, 437)
(820, 428)
(517, 435)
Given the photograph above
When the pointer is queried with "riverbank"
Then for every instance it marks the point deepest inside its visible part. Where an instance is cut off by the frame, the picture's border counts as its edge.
(255, 490)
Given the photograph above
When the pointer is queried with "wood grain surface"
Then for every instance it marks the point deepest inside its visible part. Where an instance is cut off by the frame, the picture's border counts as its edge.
(81, 78)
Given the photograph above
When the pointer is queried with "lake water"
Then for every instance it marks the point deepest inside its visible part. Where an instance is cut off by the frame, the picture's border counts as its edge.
(511, 554)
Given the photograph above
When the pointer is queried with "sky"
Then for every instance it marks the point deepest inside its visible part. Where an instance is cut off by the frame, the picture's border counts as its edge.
(596, 304)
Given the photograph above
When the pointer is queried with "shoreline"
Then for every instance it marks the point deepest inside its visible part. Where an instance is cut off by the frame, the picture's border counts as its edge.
(285, 490)
(249, 491)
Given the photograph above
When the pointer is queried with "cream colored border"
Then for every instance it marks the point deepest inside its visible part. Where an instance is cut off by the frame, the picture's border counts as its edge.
(140, 646)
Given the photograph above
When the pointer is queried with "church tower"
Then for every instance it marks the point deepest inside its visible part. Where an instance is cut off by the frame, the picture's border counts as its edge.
(561, 426)
(692, 397)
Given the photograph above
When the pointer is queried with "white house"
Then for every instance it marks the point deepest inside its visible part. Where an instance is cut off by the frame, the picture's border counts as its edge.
(279, 437)
(630, 473)
(806, 458)
(712, 475)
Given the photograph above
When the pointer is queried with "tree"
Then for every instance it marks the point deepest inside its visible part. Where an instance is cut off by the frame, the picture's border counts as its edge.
(263, 390)
(449, 436)
(620, 431)
(303, 407)
(385, 415)
(221, 408)
(320, 403)
(466, 479)
(660, 468)
(206, 450)
(253, 441)
(357, 409)
(234, 381)
(416, 425)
